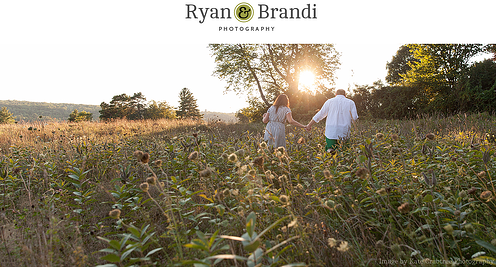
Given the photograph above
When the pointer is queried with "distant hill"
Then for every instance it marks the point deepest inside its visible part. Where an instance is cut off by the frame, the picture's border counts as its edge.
(25, 111)
(31, 111)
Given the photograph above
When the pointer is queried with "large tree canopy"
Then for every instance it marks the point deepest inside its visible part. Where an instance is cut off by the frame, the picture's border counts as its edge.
(263, 71)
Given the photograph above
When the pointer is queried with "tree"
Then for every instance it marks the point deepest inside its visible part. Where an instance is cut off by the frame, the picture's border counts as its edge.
(124, 107)
(399, 65)
(76, 116)
(438, 70)
(6, 117)
(263, 71)
(187, 105)
(159, 110)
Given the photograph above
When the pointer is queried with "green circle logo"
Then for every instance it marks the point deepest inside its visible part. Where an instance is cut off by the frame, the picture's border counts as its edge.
(243, 12)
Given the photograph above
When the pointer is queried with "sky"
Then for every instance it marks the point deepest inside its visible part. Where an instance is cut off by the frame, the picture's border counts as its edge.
(85, 52)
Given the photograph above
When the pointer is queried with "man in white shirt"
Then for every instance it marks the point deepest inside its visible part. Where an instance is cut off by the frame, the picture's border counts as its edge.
(340, 112)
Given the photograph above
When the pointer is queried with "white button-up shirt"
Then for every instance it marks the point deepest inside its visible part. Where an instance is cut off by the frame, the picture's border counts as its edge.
(340, 112)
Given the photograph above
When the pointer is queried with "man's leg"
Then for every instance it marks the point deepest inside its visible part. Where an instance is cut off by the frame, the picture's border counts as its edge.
(331, 144)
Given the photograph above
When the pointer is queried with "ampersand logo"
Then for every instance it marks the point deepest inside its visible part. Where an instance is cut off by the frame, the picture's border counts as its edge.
(243, 12)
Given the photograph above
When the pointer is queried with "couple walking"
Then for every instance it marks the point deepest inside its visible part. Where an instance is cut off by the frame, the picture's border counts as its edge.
(340, 112)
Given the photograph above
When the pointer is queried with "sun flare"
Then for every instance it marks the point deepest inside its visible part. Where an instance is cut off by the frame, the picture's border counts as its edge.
(307, 79)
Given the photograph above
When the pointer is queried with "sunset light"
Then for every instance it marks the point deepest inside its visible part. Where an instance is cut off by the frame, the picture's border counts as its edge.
(307, 80)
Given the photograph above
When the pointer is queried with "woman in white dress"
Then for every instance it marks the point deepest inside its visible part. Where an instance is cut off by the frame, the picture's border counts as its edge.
(276, 118)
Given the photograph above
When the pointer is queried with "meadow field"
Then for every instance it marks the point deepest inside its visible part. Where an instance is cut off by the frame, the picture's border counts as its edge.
(185, 193)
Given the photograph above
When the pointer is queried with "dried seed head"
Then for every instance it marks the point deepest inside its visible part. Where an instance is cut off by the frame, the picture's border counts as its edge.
(379, 136)
(151, 180)
(232, 158)
(193, 155)
(157, 163)
(404, 208)
(263, 145)
(138, 154)
(332, 242)
(362, 172)
(449, 229)
(472, 190)
(486, 195)
(430, 136)
(234, 192)
(115, 214)
(299, 187)
(240, 152)
(343, 246)
(379, 244)
(301, 140)
(482, 174)
(330, 203)
(396, 249)
(381, 191)
(252, 172)
(327, 174)
(144, 187)
(145, 158)
(206, 173)
(395, 137)
(284, 199)
(258, 161)
(463, 194)
(224, 156)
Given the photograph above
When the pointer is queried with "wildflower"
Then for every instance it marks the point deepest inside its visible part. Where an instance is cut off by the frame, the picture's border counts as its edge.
(206, 173)
(193, 155)
(115, 214)
(301, 140)
(430, 136)
(151, 180)
(343, 246)
(362, 172)
(404, 208)
(258, 161)
(486, 195)
(381, 192)
(327, 174)
(448, 228)
(332, 242)
(284, 199)
(232, 158)
(144, 187)
(379, 136)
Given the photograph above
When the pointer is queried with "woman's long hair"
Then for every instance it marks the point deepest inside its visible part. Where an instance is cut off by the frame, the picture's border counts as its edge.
(281, 100)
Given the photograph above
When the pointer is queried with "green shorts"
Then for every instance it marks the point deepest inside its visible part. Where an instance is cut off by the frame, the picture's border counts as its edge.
(331, 143)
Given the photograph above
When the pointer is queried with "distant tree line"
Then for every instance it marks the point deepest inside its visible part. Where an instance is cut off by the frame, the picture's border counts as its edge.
(135, 107)
(432, 78)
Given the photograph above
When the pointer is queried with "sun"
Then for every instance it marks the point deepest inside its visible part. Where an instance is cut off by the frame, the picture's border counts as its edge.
(307, 79)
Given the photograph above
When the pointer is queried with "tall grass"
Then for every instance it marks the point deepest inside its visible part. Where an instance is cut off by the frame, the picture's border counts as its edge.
(188, 193)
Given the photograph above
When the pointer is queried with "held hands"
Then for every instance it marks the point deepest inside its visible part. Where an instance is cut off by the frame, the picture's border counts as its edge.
(308, 127)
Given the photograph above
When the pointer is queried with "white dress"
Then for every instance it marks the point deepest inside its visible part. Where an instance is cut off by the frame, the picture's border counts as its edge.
(275, 132)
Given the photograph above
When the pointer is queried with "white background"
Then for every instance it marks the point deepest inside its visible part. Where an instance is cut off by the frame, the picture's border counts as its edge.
(85, 52)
